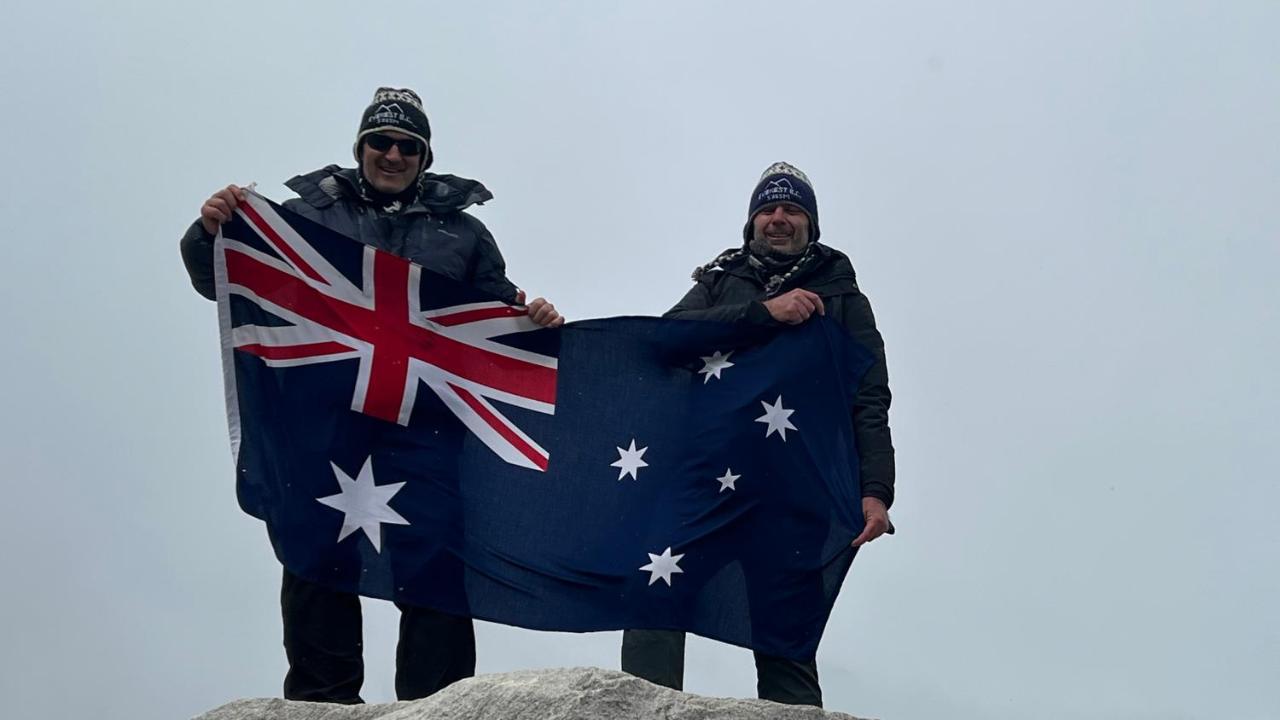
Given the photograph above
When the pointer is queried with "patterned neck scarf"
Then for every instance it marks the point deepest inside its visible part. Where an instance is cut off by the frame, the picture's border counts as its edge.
(775, 270)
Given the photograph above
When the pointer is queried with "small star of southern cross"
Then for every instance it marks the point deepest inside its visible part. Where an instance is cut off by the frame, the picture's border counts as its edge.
(714, 364)
(775, 416)
(662, 567)
(727, 480)
(364, 504)
(630, 461)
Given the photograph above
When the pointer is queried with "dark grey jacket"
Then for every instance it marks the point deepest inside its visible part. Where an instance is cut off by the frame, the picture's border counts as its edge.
(734, 291)
(433, 231)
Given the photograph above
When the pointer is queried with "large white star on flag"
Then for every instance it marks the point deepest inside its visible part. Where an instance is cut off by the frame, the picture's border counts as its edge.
(727, 481)
(713, 364)
(629, 461)
(775, 416)
(662, 566)
(364, 504)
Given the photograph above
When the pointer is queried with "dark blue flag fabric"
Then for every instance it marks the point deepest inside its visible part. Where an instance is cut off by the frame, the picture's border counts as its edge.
(409, 438)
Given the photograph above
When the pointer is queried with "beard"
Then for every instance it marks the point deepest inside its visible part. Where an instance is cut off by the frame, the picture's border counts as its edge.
(759, 245)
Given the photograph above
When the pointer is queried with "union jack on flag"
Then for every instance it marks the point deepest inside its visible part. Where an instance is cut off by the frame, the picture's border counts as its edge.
(379, 318)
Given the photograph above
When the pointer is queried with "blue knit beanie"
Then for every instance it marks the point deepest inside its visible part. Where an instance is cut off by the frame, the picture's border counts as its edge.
(783, 183)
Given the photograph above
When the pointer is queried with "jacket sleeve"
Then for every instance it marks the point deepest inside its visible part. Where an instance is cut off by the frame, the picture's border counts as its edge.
(697, 304)
(871, 405)
(488, 269)
(197, 249)
(311, 212)
(197, 254)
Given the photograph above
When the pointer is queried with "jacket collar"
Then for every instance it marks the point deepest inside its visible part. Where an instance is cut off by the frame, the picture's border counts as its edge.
(830, 274)
(437, 193)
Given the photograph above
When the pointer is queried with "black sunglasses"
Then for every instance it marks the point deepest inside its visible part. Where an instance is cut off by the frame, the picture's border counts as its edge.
(382, 143)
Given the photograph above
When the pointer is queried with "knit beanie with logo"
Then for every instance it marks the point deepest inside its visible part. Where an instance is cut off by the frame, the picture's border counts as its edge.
(398, 109)
(783, 183)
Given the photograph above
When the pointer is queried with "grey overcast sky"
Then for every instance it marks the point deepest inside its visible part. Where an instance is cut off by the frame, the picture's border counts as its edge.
(1065, 214)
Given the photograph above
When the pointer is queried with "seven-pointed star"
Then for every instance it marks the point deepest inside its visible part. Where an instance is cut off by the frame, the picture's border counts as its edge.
(364, 504)
(775, 416)
(728, 480)
(714, 363)
(662, 566)
(629, 461)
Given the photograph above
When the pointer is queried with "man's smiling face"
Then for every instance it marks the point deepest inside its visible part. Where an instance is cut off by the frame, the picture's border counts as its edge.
(780, 228)
(390, 171)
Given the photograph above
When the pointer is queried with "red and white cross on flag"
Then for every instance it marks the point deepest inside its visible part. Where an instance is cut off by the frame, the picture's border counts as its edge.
(381, 322)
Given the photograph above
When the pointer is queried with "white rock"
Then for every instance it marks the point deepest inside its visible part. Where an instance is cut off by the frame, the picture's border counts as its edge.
(579, 693)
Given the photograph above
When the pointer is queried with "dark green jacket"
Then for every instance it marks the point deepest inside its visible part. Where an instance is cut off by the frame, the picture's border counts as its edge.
(433, 231)
(734, 291)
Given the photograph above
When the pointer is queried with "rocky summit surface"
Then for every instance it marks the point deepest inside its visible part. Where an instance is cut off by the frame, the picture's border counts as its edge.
(573, 694)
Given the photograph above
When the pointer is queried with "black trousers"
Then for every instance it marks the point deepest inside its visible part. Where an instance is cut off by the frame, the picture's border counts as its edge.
(323, 641)
(658, 656)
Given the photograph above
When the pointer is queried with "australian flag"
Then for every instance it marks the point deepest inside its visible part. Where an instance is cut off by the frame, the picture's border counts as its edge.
(406, 437)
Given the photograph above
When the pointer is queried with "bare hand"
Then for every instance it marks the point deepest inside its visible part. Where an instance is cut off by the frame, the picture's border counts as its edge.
(877, 516)
(795, 306)
(541, 311)
(220, 207)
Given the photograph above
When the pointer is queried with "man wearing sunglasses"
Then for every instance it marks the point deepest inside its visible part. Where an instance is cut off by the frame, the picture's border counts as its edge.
(391, 202)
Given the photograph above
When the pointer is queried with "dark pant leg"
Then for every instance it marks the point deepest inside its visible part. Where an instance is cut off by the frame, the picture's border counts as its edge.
(434, 651)
(787, 681)
(323, 642)
(655, 655)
